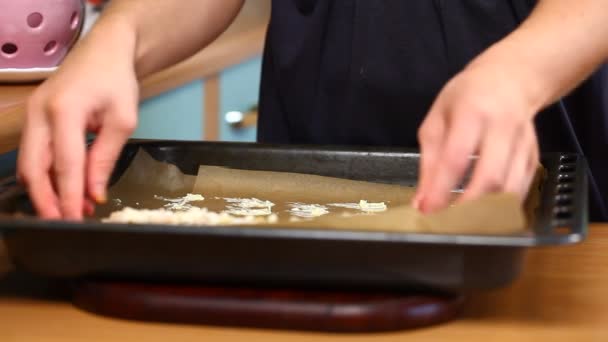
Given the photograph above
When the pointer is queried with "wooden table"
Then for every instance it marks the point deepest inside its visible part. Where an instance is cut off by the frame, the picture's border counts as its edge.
(562, 295)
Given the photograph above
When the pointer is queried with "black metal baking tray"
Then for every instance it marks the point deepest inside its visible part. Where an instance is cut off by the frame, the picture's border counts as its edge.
(295, 257)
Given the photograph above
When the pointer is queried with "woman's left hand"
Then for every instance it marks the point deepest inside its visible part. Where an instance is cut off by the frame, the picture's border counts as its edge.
(486, 110)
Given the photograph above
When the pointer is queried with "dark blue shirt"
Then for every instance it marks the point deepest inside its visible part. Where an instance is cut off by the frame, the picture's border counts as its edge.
(365, 72)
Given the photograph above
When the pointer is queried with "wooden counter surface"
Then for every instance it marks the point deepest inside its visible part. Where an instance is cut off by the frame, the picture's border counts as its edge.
(562, 295)
(244, 39)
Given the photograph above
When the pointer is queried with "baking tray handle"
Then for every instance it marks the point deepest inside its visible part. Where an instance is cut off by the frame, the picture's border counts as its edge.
(567, 210)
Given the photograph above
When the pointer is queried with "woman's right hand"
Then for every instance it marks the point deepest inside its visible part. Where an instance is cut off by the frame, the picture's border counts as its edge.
(94, 91)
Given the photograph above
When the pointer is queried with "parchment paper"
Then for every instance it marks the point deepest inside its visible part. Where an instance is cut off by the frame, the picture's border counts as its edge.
(146, 177)
(295, 187)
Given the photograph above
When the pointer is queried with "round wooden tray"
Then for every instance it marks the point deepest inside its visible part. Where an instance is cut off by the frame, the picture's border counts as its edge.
(329, 311)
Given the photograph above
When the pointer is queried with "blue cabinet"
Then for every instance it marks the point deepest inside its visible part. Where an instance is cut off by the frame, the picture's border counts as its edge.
(179, 114)
(239, 91)
(175, 115)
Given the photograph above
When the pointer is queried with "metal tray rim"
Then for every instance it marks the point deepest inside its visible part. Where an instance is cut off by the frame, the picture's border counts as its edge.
(527, 240)
(577, 233)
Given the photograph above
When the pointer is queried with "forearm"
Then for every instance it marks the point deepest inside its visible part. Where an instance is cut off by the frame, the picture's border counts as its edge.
(557, 47)
(163, 33)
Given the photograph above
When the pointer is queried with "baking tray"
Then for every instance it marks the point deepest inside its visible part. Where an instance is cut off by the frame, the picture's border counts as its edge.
(294, 257)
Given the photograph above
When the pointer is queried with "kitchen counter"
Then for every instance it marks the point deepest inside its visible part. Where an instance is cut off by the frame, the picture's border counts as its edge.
(244, 39)
(562, 295)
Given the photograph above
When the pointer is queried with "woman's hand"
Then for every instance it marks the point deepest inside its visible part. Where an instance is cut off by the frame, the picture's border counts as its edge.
(488, 110)
(95, 91)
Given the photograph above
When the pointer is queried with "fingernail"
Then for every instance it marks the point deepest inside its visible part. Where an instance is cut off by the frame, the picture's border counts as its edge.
(54, 214)
(69, 211)
(101, 199)
(100, 194)
(72, 216)
(423, 206)
(89, 208)
(416, 202)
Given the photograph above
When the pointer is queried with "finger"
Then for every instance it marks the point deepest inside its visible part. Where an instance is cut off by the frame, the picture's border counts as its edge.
(43, 196)
(430, 137)
(69, 163)
(34, 164)
(106, 149)
(88, 207)
(463, 137)
(533, 168)
(493, 164)
(521, 173)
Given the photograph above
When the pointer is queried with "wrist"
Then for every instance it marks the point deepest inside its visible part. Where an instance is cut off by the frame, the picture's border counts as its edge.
(115, 37)
(517, 65)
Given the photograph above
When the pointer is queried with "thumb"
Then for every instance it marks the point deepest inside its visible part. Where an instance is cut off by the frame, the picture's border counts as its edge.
(106, 149)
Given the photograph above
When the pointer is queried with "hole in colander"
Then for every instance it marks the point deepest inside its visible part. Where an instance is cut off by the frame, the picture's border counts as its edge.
(74, 20)
(50, 47)
(9, 48)
(34, 20)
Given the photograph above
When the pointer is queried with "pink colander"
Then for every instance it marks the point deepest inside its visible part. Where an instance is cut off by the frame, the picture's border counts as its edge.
(38, 33)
